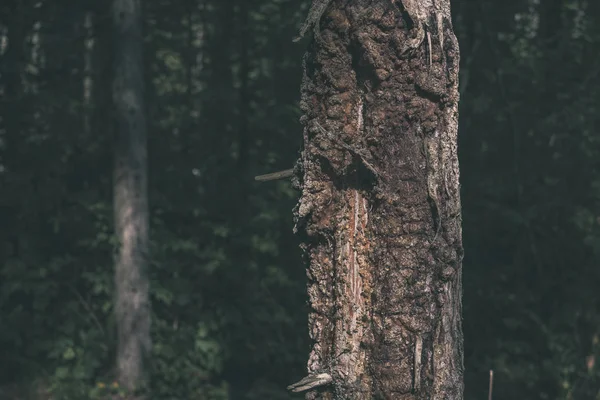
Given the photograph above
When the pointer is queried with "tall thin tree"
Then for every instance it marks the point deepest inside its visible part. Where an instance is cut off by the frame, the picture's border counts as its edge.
(379, 214)
(11, 68)
(132, 306)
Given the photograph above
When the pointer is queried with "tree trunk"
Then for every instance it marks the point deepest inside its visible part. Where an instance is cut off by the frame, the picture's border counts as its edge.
(13, 62)
(379, 214)
(130, 197)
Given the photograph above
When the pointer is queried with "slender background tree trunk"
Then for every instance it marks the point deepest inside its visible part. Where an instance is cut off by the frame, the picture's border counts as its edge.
(379, 213)
(130, 197)
(11, 70)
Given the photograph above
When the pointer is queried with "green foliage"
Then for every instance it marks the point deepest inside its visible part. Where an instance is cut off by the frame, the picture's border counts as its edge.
(227, 283)
(226, 278)
(529, 200)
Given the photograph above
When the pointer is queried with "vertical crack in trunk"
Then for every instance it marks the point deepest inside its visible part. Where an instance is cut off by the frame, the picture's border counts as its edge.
(351, 362)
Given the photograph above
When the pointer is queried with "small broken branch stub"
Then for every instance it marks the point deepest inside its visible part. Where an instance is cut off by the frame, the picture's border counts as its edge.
(310, 382)
(275, 175)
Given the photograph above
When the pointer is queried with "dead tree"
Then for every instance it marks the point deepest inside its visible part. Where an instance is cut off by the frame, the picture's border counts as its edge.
(379, 215)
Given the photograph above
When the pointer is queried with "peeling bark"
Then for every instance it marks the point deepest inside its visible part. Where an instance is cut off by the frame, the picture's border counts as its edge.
(379, 214)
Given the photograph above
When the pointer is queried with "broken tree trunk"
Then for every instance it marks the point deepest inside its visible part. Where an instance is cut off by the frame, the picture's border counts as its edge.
(379, 215)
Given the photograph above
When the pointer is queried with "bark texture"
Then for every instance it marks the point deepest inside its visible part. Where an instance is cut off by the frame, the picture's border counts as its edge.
(379, 214)
(130, 197)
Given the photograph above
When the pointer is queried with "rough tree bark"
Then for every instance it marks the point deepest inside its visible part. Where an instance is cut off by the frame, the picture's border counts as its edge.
(379, 215)
(130, 197)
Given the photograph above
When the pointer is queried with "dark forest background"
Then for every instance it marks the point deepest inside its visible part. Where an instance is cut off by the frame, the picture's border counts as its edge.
(228, 283)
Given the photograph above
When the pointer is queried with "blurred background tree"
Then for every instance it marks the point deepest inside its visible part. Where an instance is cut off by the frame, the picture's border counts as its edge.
(227, 280)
